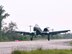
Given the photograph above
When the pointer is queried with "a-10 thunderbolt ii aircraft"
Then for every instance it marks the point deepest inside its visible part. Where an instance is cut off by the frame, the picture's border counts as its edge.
(37, 31)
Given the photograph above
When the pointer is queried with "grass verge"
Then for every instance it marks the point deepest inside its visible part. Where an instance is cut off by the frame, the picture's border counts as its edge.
(43, 52)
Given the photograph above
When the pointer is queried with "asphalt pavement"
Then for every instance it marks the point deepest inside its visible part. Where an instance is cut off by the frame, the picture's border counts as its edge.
(8, 47)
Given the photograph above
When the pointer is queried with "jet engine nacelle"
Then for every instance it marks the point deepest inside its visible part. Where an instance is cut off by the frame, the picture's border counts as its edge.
(45, 30)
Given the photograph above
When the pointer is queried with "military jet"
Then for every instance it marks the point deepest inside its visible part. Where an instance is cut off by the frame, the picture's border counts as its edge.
(37, 31)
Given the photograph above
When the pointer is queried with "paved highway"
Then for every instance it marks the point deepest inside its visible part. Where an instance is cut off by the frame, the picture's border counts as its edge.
(8, 47)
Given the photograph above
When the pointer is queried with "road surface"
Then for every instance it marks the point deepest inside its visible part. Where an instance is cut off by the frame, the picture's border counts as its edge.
(8, 47)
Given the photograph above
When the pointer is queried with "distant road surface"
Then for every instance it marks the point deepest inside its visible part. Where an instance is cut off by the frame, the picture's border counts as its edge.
(8, 47)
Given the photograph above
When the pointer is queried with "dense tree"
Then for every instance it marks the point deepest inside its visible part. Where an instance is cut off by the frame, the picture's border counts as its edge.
(3, 15)
(11, 27)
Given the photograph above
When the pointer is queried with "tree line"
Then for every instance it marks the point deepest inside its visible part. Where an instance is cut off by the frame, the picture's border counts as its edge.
(6, 32)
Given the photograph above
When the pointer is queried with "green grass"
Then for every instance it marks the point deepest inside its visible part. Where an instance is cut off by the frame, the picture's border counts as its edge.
(70, 42)
(43, 52)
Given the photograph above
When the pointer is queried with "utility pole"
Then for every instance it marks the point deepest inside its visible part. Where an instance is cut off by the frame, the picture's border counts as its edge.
(31, 38)
(30, 28)
(52, 30)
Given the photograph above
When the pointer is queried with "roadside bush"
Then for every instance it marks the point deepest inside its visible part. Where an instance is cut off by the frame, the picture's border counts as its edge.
(16, 52)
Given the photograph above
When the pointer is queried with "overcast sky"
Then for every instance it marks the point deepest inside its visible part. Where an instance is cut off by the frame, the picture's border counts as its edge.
(56, 14)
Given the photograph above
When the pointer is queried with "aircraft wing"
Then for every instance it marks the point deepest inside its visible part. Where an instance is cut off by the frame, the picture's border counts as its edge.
(57, 32)
(24, 33)
(49, 33)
